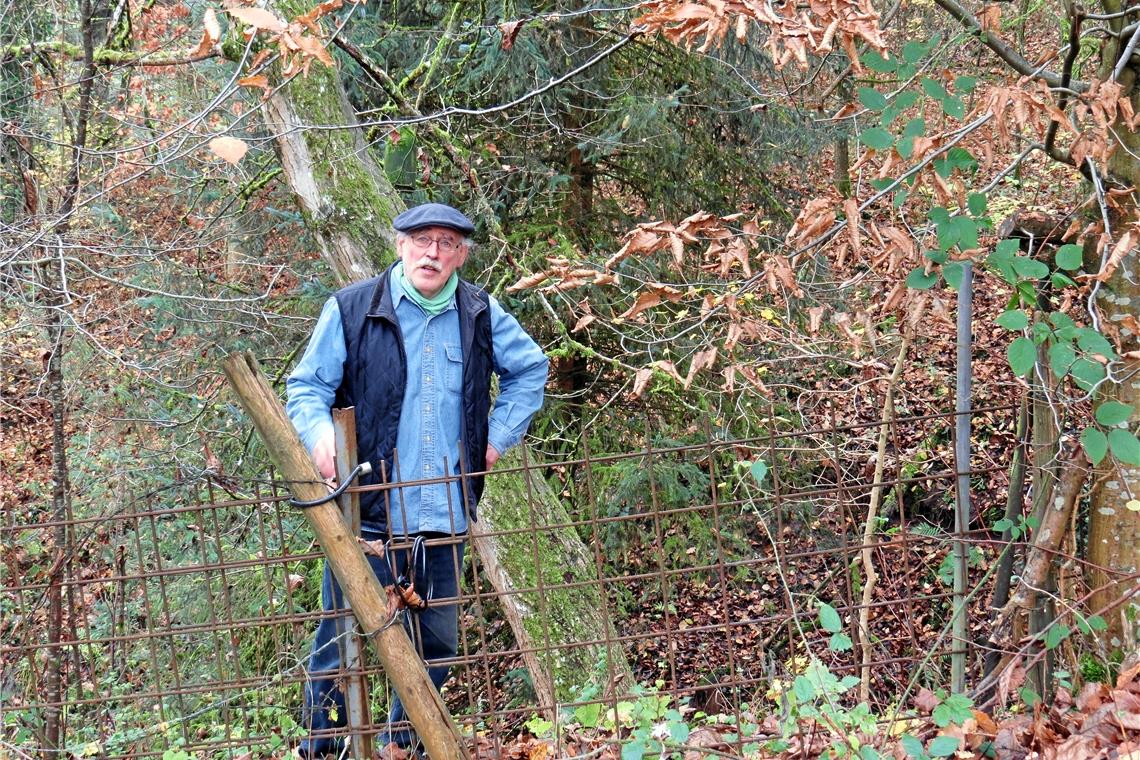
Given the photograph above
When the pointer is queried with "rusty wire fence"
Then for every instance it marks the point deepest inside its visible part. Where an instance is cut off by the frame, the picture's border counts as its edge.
(178, 623)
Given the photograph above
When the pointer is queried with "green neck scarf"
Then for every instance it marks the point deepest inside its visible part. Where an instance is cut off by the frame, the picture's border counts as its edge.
(433, 305)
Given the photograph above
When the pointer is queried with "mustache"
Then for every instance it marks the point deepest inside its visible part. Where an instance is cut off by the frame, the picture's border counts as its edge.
(428, 264)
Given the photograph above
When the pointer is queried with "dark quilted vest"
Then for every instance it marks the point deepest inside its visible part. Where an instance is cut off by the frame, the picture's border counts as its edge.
(375, 375)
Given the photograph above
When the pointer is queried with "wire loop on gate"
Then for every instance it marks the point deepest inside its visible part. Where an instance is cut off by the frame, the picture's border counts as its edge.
(364, 468)
(406, 583)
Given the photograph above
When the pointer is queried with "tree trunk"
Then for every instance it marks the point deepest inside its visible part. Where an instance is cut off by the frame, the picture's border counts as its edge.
(348, 205)
(1114, 529)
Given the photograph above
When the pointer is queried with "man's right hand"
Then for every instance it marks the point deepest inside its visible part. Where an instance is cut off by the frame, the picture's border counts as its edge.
(323, 453)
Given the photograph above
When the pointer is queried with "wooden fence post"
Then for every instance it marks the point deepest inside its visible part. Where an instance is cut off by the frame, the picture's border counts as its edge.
(368, 600)
(356, 682)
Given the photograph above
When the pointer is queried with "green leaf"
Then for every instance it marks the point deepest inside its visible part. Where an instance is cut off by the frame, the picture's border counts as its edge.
(905, 146)
(943, 746)
(1097, 623)
(878, 138)
(953, 274)
(919, 280)
(965, 84)
(1003, 524)
(634, 750)
(588, 715)
(1061, 280)
(938, 257)
(1055, 635)
(878, 63)
(759, 470)
(803, 689)
(912, 746)
(915, 128)
(1095, 444)
(829, 619)
(1029, 268)
(1070, 256)
(1124, 446)
(977, 203)
(882, 184)
(840, 642)
(1087, 374)
(900, 198)
(872, 99)
(1064, 324)
(1061, 357)
(934, 88)
(1022, 355)
(1014, 319)
(956, 708)
(913, 51)
(1029, 696)
(1112, 413)
(678, 732)
(939, 215)
(953, 107)
(1092, 341)
(867, 752)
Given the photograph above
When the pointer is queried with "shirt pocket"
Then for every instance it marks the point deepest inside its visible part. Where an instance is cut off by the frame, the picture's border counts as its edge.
(453, 367)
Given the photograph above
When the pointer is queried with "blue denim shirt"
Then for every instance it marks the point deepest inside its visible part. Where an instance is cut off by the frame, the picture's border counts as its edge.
(429, 418)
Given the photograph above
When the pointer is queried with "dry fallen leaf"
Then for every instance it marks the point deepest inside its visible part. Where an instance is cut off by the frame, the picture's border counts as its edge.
(229, 149)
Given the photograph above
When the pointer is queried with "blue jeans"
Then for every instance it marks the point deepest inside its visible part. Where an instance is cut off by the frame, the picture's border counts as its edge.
(434, 633)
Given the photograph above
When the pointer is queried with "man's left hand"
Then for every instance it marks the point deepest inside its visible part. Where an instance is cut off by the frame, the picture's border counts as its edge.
(492, 456)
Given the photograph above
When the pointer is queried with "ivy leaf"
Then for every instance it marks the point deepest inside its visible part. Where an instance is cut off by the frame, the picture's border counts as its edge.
(1124, 446)
(1112, 413)
(919, 280)
(1022, 355)
(1070, 256)
(878, 138)
(1095, 444)
(1014, 319)
(829, 619)
(872, 99)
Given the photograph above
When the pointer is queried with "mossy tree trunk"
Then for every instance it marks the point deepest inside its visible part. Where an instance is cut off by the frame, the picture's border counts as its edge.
(348, 204)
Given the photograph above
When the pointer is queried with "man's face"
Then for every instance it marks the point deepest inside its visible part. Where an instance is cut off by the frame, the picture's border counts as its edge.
(430, 255)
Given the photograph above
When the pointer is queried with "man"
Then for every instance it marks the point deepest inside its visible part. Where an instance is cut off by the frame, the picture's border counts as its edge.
(413, 351)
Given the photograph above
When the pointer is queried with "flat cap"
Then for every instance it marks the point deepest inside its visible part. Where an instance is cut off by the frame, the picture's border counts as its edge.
(433, 215)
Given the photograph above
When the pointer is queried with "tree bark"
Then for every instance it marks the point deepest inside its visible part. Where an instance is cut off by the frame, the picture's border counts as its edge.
(1114, 529)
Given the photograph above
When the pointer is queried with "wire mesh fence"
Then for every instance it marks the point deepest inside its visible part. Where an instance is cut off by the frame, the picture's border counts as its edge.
(179, 623)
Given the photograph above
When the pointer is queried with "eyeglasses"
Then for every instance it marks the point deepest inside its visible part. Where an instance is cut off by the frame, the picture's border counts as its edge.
(446, 244)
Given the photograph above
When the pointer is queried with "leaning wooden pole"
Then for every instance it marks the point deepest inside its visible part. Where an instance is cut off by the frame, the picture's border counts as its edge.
(365, 595)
